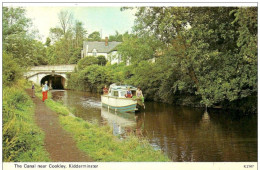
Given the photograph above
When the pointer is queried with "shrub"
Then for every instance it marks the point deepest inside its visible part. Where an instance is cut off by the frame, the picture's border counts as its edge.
(101, 60)
(87, 61)
(12, 72)
(22, 138)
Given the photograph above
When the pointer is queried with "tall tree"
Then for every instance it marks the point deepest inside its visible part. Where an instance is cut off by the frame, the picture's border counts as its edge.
(18, 38)
(94, 36)
(56, 34)
(80, 33)
(68, 40)
(209, 45)
(116, 37)
(65, 20)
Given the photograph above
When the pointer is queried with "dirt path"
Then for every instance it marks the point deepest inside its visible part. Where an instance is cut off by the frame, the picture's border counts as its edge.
(58, 142)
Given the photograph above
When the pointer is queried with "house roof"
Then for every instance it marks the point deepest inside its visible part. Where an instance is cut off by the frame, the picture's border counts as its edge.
(101, 47)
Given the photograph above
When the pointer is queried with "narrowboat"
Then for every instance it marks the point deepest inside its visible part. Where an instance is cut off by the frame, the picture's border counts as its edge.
(116, 99)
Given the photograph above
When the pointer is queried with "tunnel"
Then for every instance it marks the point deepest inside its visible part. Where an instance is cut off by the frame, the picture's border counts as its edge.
(54, 81)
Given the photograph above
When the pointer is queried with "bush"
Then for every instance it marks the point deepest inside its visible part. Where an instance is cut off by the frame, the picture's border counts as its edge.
(92, 78)
(87, 61)
(12, 72)
(101, 60)
(22, 138)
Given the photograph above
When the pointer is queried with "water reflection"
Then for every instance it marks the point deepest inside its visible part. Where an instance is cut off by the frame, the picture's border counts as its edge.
(120, 122)
(184, 134)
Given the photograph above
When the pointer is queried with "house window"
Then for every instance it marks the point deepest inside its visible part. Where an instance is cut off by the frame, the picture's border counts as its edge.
(94, 52)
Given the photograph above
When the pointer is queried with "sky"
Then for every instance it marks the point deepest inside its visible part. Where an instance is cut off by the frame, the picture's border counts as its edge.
(106, 20)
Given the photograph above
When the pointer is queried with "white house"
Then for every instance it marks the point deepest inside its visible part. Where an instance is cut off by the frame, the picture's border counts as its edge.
(107, 49)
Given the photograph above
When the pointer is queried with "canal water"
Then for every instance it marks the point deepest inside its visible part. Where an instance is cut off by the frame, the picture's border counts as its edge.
(183, 133)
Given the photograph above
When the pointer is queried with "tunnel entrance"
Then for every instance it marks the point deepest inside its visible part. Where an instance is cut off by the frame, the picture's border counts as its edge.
(54, 82)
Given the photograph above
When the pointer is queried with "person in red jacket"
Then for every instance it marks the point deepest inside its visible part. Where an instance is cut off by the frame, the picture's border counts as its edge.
(105, 90)
(129, 93)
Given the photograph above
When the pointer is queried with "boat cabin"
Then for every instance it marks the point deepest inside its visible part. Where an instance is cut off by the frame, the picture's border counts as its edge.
(120, 90)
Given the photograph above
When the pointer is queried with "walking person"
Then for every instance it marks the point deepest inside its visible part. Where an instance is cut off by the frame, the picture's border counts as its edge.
(45, 89)
(43, 93)
(33, 90)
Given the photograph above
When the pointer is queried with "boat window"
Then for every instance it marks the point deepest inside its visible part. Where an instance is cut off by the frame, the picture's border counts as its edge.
(115, 93)
(122, 93)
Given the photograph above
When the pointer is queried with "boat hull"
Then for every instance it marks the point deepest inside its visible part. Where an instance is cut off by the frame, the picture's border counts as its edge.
(119, 104)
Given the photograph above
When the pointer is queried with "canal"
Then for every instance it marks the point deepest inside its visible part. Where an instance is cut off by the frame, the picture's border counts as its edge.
(183, 133)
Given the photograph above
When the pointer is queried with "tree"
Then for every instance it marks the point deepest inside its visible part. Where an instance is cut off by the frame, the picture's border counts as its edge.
(136, 49)
(94, 36)
(80, 34)
(87, 61)
(209, 45)
(11, 70)
(18, 38)
(65, 20)
(67, 40)
(56, 34)
(117, 37)
(48, 42)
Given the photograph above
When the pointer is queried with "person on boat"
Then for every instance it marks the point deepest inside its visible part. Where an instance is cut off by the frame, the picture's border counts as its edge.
(139, 93)
(140, 97)
(105, 90)
(128, 93)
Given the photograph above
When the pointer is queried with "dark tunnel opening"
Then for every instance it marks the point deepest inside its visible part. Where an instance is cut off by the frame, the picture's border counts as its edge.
(54, 82)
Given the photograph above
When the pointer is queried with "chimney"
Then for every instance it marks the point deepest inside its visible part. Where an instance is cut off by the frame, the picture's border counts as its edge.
(106, 41)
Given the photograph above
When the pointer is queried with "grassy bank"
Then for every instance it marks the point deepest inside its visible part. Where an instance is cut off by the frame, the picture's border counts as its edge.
(99, 142)
(22, 139)
(55, 106)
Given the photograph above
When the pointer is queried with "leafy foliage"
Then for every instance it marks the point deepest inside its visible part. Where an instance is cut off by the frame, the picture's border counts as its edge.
(22, 139)
(12, 72)
(67, 40)
(91, 78)
(206, 54)
(101, 60)
(18, 38)
(116, 37)
(87, 61)
(213, 49)
(94, 36)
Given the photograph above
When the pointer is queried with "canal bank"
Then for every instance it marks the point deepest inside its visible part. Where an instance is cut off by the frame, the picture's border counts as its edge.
(97, 142)
(58, 143)
(183, 133)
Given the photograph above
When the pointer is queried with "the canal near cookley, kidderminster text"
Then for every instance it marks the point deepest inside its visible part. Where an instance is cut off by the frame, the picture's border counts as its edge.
(183, 133)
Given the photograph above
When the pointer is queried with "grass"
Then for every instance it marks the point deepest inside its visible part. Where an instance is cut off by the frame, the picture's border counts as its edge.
(23, 141)
(100, 144)
(55, 106)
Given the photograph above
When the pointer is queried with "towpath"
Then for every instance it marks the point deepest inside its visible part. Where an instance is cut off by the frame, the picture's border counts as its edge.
(58, 142)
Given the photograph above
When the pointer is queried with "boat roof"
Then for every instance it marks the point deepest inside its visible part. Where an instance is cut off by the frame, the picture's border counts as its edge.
(122, 87)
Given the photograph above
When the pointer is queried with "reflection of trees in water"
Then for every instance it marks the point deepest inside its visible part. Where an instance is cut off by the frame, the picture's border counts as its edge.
(173, 130)
(140, 124)
(228, 138)
(188, 135)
